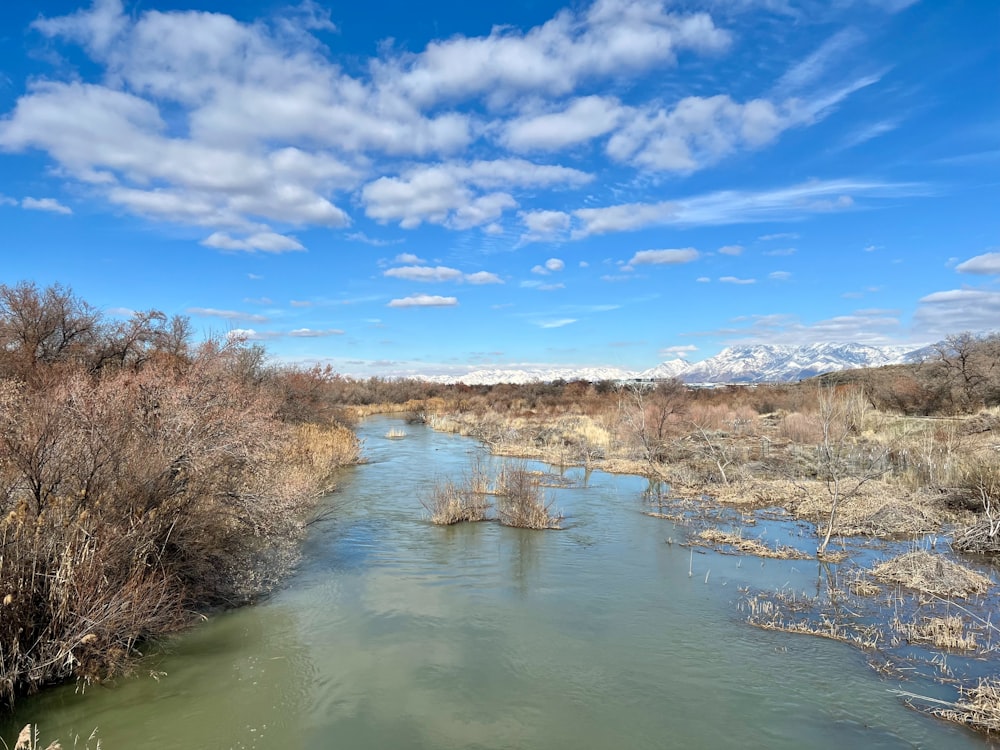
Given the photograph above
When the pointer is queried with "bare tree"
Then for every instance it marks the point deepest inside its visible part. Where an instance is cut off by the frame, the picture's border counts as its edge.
(842, 464)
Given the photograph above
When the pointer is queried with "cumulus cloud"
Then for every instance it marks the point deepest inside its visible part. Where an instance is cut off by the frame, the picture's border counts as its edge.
(582, 120)
(268, 242)
(609, 38)
(460, 195)
(483, 277)
(45, 204)
(664, 257)
(780, 275)
(736, 280)
(731, 250)
(544, 225)
(987, 263)
(424, 300)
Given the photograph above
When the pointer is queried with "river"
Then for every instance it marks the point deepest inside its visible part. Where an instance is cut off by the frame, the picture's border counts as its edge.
(395, 633)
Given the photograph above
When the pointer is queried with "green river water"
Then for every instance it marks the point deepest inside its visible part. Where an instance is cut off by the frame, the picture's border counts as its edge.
(395, 633)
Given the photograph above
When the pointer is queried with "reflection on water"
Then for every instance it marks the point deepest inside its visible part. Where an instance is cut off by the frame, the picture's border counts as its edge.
(398, 634)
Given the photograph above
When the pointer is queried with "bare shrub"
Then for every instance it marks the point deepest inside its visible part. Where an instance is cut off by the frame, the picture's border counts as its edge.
(449, 503)
(801, 428)
(521, 501)
(131, 498)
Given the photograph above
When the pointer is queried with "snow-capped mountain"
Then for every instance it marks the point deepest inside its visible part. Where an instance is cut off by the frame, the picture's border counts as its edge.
(489, 376)
(771, 363)
(761, 363)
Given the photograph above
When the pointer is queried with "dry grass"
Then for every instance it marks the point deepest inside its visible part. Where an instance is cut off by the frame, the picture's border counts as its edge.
(947, 632)
(395, 434)
(977, 707)
(29, 739)
(449, 503)
(932, 574)
(773, 612)
(717, 537)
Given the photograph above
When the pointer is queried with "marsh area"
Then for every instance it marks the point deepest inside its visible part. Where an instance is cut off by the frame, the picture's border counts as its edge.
(398, 633)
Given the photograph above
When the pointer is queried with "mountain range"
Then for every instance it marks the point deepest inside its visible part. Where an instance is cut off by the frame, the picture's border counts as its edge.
(760, 363)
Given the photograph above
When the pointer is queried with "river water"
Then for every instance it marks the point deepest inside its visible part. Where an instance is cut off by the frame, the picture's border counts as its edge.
(395, 633)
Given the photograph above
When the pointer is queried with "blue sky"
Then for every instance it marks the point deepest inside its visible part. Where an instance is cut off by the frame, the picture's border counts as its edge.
(401, 188)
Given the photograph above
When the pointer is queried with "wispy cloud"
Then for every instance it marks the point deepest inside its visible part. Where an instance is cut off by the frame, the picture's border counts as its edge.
(211, 312)
(46, 204)
(424, 300)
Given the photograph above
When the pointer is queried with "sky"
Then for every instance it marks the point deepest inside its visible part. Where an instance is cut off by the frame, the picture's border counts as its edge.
(400, 188)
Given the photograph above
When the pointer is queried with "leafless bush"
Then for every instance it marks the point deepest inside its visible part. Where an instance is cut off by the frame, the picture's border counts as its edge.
(521, 501)
(801, 428)
(130, 498)
(449, 503)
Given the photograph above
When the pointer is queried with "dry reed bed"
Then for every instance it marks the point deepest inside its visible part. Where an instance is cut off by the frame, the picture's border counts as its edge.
(520, 501)
(721, 539)
(933, 574)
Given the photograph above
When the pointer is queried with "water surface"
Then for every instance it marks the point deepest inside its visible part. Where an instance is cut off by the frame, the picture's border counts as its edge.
(395, 633)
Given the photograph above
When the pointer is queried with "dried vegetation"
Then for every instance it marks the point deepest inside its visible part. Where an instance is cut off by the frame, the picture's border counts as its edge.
(142, 479)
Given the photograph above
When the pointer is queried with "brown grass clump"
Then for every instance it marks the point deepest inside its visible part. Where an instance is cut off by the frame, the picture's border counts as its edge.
(521, 502)
(946, 632)
(449, 503)
(932, 574)
(977, 707)
(751, 546)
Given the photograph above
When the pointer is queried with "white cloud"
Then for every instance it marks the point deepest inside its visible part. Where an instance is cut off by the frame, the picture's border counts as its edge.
(211, 312)
(703, 280)
(780, 275)
(781, 252)
(609, 38)
(424, 273)
(45, 204)
(947, 312)
(736, 280)
(559, 323)
(731, 250)
(987, 263)
(268, 242)
(584, 119)
(450, 193)
(483, 277)
(408, 258)
(664, 257)
(696, 132)
(544, 225)
(424, 300)
(440, 274)
(681, 350)
(554, 264)
(373, 241)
